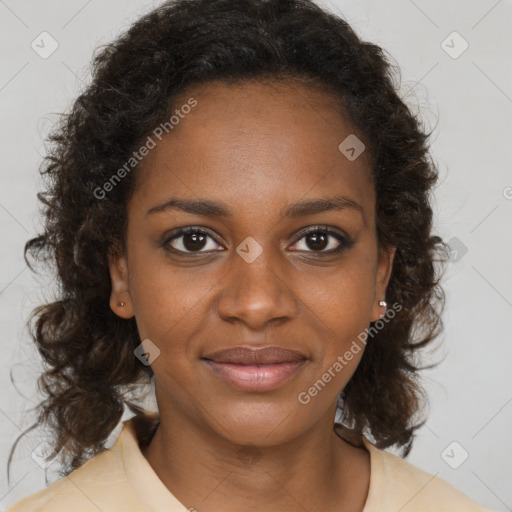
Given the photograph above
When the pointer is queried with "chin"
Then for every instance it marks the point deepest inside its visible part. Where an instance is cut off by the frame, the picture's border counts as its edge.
(258, 425)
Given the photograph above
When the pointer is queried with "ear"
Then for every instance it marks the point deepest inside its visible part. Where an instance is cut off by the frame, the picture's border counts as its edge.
(384, 268)
(120, 293)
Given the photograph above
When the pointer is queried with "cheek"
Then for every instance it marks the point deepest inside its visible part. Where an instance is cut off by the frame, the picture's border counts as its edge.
(166, 301)
(158, 289)
(343, 299)
(342, 308)
(170, 304)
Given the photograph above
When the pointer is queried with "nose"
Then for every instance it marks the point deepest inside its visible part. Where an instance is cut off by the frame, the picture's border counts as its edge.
(257, 293)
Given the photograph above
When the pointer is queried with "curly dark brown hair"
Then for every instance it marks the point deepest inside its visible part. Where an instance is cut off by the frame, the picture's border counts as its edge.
(87, 350)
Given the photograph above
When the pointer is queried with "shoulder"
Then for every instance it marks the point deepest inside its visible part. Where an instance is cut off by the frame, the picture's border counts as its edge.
(398, 485)
(99, 484)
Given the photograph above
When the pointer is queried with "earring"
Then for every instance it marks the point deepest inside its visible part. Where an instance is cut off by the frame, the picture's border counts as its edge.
(121, 304)
(384, 304)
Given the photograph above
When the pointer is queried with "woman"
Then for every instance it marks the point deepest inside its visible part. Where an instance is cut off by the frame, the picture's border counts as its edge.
(238, 209)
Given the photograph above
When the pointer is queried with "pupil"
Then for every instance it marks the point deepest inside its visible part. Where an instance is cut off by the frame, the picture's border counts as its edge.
(319, 241)
(197, 242)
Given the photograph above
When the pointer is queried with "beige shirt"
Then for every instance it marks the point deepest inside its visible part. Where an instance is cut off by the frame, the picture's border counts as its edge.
(120, 479)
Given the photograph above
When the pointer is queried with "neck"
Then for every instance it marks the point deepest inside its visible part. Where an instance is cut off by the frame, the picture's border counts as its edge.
(317, 470)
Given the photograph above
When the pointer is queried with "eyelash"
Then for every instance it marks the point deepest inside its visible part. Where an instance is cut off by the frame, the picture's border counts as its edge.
(344, 241)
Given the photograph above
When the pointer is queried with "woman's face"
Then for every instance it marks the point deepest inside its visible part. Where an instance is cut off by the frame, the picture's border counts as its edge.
(268, 157)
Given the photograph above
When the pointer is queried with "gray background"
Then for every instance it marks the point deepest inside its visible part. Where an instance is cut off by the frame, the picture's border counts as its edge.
(467, 98)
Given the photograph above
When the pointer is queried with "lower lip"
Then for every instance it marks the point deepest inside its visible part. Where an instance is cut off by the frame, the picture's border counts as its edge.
(263, 377)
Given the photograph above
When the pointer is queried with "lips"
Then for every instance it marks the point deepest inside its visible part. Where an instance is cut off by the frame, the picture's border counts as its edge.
(245, 355)
(261, 369)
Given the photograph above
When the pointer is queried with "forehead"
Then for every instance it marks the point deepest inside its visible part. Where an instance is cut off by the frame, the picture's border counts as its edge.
(254, 145)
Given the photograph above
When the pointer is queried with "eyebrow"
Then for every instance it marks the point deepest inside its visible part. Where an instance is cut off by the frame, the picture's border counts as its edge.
(210, 208)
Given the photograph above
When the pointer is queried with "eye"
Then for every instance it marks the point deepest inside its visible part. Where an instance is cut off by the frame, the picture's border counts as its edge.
(322, 240)
(191, 240)
(318, 240)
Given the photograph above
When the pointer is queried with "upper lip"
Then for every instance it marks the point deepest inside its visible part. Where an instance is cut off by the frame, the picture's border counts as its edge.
(251, 355)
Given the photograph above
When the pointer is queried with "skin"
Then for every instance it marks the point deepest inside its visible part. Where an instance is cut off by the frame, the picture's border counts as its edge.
(256, 148)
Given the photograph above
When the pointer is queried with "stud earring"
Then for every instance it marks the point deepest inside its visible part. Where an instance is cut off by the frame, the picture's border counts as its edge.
(121, 304)
(384, 304)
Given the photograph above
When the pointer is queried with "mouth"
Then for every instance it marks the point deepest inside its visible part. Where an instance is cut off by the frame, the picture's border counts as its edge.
(250, 369)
